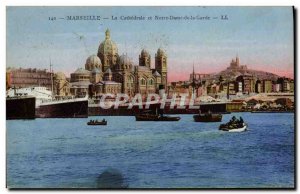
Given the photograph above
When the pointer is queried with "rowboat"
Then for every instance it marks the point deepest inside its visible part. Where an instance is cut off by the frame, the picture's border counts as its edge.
(92, 122)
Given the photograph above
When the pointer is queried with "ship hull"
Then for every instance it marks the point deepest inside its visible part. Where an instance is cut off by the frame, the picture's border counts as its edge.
(20, 108)
(208, 118)
(241, 129)
(74, 109)
(97, 123)
(155, 118)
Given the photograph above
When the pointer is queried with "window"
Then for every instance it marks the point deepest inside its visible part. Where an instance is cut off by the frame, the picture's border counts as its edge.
(150, 82)
(143, 82)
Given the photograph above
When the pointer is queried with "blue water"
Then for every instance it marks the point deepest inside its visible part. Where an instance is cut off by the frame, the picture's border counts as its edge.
(66, 153)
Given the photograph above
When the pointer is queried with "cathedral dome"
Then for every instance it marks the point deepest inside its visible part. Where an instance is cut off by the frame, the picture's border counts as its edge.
(145, 53)
(107, 47)
(60, 76)
(125, 60)
(160, 52)
(81, 71)
(92, 62)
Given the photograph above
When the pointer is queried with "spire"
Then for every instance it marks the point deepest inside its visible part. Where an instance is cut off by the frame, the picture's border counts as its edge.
(107, 34)
(237, 60)
(193, 84)
(51, 74)
(193, 73)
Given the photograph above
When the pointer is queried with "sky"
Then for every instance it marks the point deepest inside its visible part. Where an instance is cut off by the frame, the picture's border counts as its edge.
(262, 37)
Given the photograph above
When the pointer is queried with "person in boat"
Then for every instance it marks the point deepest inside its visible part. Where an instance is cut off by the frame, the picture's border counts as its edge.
(103, 120)
(241, 120)
(232, 121)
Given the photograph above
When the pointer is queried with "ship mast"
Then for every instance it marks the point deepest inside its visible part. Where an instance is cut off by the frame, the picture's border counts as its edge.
(193, 83)
(51, 74)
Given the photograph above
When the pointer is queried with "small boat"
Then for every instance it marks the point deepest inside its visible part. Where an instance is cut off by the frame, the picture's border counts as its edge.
(241, 128)
(153, 117)
(234, 125)
(96, 122)
(208, 117)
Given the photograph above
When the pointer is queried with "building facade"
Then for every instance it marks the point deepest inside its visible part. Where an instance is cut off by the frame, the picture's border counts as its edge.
(30, 77)
(248, 83)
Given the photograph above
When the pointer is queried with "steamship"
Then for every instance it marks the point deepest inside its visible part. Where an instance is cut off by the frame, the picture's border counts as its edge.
(46, 106)
(21, 107)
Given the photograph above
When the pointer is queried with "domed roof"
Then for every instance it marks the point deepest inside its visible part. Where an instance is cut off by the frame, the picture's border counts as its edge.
(145, 53)
(160, 52)
(107, 46)
(125, 60)
(60, 75)
(81, 71)
(93, 60)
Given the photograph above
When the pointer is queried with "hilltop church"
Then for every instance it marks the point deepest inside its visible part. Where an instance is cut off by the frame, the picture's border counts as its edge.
(108, 72)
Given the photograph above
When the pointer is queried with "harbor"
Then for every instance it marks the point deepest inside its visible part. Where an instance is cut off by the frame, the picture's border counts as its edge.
(69, 153)
(39, 102)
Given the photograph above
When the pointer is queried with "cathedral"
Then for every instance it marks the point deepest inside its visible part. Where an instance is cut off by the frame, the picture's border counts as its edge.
(109, 72)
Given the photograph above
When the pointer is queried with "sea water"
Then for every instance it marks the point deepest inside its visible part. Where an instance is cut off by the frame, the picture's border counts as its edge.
(67, 153)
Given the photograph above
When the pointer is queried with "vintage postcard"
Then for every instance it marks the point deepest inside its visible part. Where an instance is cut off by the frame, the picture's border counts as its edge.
(160, 97)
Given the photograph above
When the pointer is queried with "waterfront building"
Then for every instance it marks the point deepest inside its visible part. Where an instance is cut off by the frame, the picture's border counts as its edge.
(267, 86)
(276, 86)
(8, 79)
(227, 88)
(198, 76)
(258, 86)
(292, 86)
(286, 84)
(30, 77)
(286, 102)
(232, 88)
(180, 87)
(239, 87)
(248, 82)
